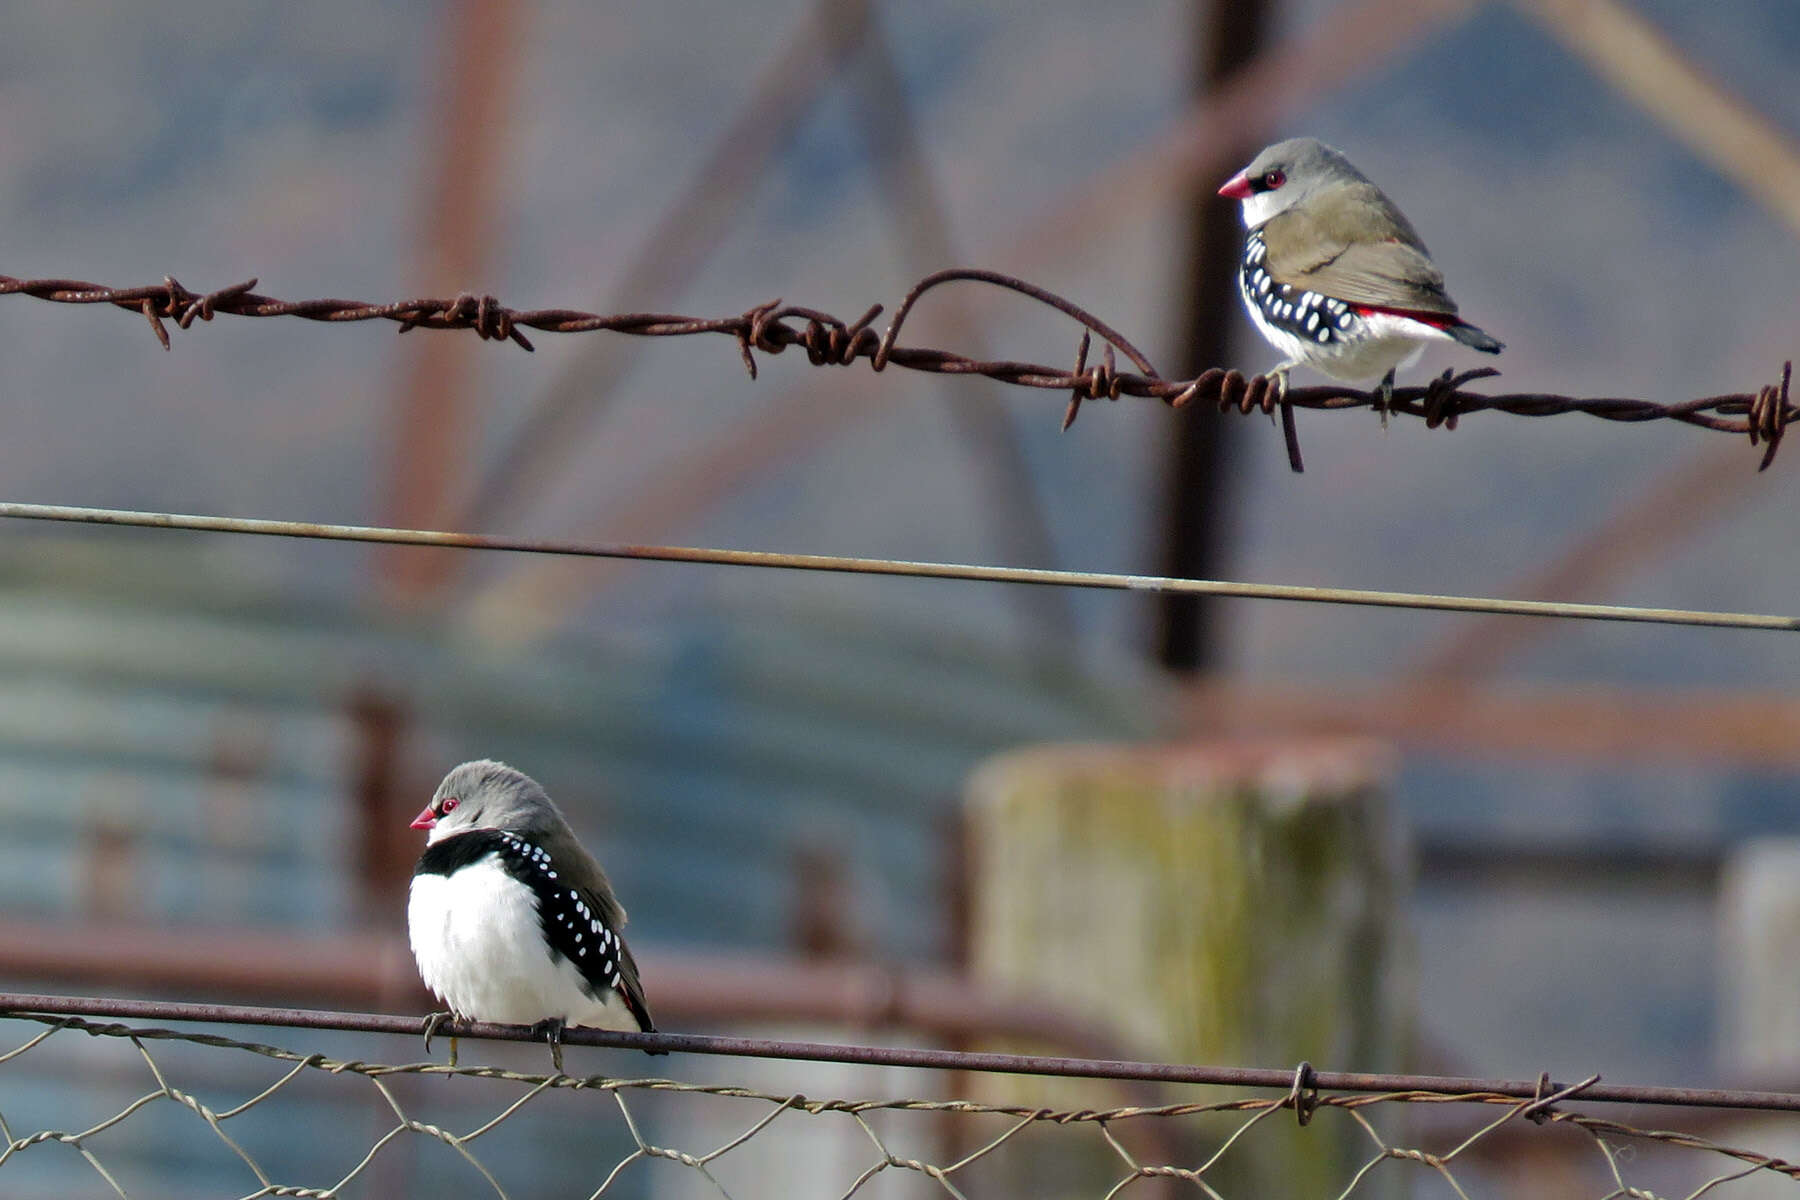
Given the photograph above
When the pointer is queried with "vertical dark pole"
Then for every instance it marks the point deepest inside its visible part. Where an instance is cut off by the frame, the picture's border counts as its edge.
(461, 208)
(1229, 33)
(385, 846)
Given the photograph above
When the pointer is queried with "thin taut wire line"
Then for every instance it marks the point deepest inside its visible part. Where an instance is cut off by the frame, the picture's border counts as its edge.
(897, 567)
(45, 1008)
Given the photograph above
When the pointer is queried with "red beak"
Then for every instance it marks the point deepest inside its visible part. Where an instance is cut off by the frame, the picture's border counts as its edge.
(1237, 187)
(426, 819)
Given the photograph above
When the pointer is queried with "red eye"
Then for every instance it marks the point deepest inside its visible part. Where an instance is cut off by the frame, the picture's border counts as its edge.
(449, 803)
(1273, 179)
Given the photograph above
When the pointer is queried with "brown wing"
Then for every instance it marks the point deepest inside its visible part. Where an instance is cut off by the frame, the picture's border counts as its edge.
(633, 990)
(597, 893)
(1352, 244)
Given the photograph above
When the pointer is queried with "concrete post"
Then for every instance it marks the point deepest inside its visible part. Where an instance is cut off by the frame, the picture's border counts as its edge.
(1232, 903)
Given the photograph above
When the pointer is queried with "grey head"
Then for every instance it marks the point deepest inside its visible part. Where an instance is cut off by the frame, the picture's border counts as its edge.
(489, 795)
(1290, 173)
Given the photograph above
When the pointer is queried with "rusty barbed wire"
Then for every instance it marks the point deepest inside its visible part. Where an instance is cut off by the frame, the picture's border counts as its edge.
(772, 327)
(1212, 1149)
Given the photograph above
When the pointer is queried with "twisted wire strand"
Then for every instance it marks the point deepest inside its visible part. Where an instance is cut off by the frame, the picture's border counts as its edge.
(827, 340)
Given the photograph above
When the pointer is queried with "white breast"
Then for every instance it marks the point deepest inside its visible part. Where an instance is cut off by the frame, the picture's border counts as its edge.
(480, 949)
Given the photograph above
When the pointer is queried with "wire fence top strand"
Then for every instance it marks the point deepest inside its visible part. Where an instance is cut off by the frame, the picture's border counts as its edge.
(52, 1009)
(1225, 1143)
(772, 327)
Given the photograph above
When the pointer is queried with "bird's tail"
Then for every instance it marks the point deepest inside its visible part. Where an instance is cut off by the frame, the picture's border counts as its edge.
(1475, 339)
(645, 1026)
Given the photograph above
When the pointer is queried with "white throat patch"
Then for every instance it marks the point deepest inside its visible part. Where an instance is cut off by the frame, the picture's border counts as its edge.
(1260, 206)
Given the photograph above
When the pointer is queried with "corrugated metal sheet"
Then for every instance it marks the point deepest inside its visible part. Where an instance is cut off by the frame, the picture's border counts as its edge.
(163, 719)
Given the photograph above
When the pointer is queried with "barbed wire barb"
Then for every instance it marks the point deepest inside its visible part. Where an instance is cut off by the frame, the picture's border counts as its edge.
(771, 327)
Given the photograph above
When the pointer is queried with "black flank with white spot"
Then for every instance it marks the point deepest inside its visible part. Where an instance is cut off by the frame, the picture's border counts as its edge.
(1309, 316)
(571, 918)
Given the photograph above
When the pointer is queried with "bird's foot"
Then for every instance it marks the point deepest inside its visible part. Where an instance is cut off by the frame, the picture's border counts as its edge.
(551, 1030)
(1278, 387)
(434, 1022)
(1386, 403)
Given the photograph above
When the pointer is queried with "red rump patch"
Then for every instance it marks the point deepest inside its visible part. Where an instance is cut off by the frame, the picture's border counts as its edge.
(1436, 320)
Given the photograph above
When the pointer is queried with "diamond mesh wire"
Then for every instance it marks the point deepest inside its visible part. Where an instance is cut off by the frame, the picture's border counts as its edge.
(141, 1111)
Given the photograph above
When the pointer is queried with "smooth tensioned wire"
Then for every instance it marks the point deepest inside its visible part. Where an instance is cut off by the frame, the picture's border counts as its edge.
(48, 1008)
(897, 567)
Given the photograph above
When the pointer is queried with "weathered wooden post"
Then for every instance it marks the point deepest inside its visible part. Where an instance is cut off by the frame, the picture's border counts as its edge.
(1229, 903)
(1759, 909)
(1759, 1018)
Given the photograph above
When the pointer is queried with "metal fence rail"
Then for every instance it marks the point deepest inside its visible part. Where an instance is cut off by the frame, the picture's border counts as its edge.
(1306, 1078)
(840, 564)
(1191, 1142)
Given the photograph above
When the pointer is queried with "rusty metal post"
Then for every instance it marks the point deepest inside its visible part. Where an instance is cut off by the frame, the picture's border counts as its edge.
(1229, 33)
(460, 212)
(386, 846)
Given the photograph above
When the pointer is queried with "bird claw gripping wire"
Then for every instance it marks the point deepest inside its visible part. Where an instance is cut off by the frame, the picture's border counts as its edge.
(434, 1022)
(551, 1030)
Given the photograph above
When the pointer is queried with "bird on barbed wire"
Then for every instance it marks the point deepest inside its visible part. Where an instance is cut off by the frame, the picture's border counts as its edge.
(1333, 273)
(511, 920)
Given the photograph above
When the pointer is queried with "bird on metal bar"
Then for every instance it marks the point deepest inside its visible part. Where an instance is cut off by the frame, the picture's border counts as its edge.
(510, 919)
(1333, 273)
